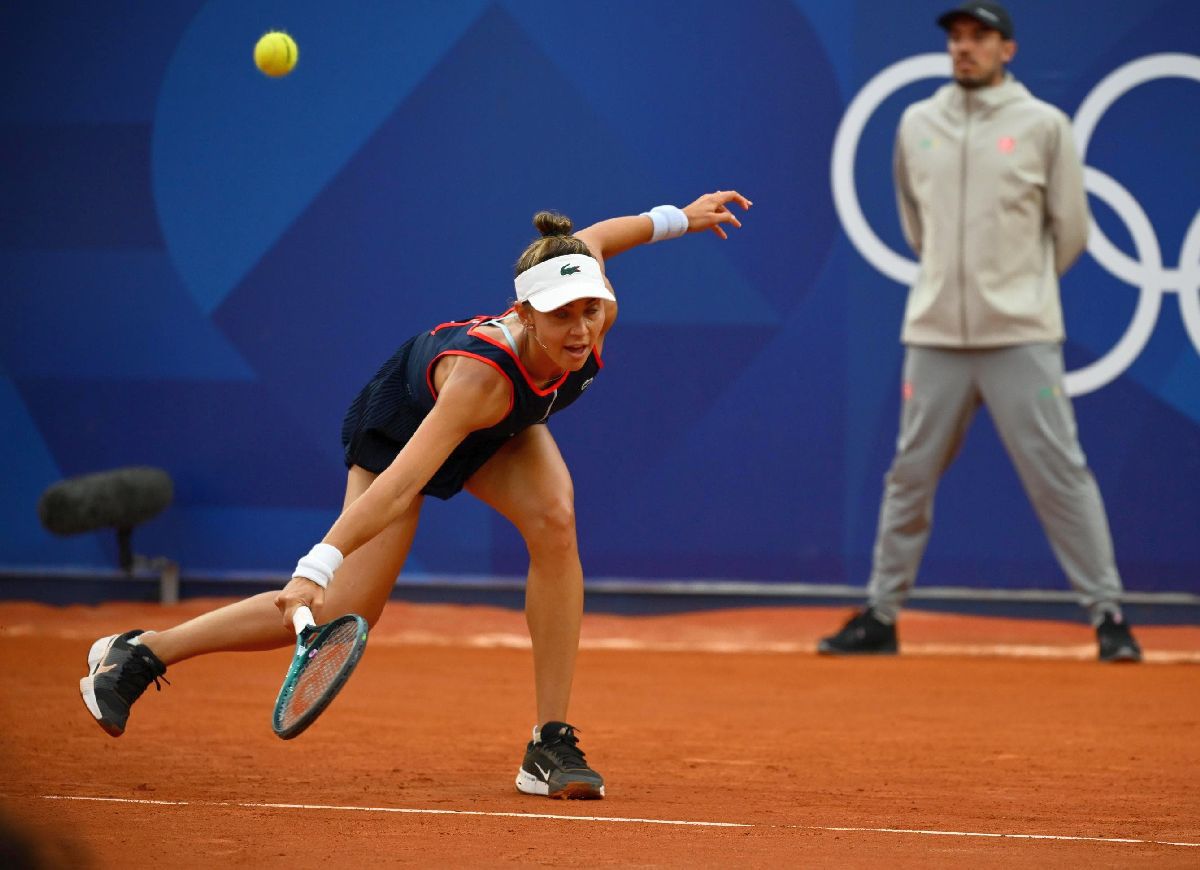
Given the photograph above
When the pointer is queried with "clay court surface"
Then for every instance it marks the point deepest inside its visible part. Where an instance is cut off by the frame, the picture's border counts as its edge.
(724, 740)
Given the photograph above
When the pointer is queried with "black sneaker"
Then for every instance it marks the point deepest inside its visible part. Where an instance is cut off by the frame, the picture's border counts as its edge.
(118, 673)
(1116, 641)
(554, 766)
(865, 634)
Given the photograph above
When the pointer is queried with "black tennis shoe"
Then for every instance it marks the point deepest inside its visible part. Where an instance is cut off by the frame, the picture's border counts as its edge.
(118, 673)
(865, 634)
(1116, 641)
(554, 766)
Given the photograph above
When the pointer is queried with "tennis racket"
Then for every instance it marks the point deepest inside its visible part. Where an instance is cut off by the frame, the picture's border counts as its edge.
(325, 657)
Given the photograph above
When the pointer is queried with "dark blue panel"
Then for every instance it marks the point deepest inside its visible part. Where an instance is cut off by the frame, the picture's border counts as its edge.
(76, 186)
(224, 444)
(107, 314)
(27, 468)
(65, 61)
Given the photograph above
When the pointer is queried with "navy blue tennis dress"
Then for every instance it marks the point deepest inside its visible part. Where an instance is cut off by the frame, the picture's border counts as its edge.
(389, 409)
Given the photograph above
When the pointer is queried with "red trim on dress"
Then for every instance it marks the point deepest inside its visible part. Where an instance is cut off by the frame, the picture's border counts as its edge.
(512, 391)
(477, 319)
(503, 345)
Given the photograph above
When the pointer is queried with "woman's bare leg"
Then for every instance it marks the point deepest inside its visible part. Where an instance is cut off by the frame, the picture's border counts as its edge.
(528, 483)
(362, 586)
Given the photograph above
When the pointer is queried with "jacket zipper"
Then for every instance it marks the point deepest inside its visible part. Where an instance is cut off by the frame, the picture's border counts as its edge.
(962, 221)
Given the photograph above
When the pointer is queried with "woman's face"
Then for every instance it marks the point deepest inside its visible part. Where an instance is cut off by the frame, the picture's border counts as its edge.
(569, 333)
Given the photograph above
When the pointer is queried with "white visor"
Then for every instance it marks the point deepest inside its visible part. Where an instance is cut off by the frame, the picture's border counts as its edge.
(553, 283)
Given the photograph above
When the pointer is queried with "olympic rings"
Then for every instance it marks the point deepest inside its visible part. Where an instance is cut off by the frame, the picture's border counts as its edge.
(1146, 273)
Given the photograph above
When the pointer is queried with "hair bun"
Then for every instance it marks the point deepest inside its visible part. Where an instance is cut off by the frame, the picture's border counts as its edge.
(551, 223)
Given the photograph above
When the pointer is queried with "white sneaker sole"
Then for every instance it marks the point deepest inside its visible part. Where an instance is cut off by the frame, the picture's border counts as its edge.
(87, 687)
(527, 783)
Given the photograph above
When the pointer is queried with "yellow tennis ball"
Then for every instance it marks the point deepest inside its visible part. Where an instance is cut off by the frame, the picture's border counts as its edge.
(276, 53)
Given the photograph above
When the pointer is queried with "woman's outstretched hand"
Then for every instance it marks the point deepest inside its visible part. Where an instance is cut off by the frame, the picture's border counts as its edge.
(710, 211)
(299, 591)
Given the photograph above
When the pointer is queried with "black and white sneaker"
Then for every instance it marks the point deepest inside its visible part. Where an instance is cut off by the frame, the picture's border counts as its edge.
(554, 766)
(118, 673)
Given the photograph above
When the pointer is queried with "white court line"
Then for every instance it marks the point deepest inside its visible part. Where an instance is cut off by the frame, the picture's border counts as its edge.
(1011, 836)
(519, 641)
(112, 800)
(618, 819)
(501, 815)
(509, 640)
(406, 810)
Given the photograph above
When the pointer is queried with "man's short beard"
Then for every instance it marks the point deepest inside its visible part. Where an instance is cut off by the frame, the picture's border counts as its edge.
(972, 84)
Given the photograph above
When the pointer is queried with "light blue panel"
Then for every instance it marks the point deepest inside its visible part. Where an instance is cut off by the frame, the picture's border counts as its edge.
(238, 155)
(1181, 385)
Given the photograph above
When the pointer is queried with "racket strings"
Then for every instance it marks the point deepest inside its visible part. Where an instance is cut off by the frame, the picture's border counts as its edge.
(321, 670)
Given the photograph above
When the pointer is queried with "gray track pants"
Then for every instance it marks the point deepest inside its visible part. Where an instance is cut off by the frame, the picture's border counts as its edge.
(1022, 388)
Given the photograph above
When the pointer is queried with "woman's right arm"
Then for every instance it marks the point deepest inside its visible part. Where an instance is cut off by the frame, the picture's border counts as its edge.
(473, 396)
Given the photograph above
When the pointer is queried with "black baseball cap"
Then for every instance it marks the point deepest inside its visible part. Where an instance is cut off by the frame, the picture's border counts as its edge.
(988, 14)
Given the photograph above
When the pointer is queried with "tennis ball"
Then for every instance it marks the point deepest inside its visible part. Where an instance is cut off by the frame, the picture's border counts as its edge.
(276, 53)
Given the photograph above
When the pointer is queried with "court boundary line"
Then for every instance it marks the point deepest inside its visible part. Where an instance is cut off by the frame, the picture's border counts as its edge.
(1031, 651)
(520, 641)
(622, 820)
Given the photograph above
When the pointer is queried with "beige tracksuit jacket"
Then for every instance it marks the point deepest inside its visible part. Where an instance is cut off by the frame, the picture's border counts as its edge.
(991, 199)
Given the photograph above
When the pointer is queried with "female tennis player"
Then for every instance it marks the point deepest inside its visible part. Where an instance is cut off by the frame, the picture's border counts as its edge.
(454, 408)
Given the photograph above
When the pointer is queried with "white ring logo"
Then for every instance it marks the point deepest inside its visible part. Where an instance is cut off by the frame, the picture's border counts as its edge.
(1146, 273)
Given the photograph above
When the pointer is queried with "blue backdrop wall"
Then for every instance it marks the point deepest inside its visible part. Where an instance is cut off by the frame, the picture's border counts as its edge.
(201, 265)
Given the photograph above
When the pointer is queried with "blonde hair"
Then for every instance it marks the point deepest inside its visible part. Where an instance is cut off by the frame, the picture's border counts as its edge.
(555, 241)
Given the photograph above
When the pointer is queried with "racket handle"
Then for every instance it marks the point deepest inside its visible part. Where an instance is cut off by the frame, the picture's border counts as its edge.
(302, 618)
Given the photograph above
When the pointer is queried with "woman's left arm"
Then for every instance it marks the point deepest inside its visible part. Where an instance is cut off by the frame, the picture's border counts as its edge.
(617, 235)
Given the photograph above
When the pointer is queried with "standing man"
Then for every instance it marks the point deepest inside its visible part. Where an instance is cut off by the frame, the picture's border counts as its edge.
(991, 199)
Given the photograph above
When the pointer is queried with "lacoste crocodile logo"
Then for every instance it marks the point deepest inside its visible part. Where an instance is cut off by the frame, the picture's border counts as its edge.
(568, 270)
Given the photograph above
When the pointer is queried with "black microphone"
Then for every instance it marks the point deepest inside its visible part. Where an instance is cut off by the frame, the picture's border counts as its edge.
(120, 499)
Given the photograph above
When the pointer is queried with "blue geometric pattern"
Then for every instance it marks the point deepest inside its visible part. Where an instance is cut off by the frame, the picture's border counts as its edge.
(199, 266)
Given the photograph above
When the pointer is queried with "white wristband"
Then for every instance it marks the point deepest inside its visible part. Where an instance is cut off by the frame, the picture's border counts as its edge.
(669, 222)
(319, 565)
